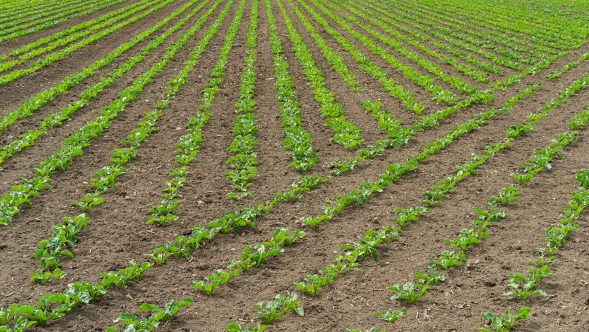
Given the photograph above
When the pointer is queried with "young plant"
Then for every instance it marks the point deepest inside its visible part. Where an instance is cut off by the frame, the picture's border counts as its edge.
(526, 286)
(390, 316)
(281, 305)
(507, 321)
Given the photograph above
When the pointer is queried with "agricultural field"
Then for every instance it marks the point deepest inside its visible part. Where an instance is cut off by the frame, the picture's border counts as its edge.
(294, 165)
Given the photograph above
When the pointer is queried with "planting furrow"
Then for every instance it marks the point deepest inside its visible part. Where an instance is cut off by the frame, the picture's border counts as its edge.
(467, 37)
(439, 94)
(523, 286)
(297, 141)
(549, 35)
(380, 14)
(73, 146)
(53, 57)
(36, 102)
(70, 37)
(346, 133)
(182, 244)
(517, 44)
(244, 157)
(16, 18)
(365, 64)
(431, 29)
(540, 160)
(64, 33)
(49, 24)
(189, 145)
(465, 69)
(63, 239)
(63, 12)
(394, 171)
(454, 81)
(373, 238)
(55, 120)
(383, 119)
(19, 10)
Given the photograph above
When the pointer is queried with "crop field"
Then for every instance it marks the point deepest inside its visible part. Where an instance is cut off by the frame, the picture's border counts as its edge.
(294, 165)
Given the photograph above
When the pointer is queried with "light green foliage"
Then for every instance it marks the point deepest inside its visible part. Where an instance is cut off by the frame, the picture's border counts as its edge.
(506, 321)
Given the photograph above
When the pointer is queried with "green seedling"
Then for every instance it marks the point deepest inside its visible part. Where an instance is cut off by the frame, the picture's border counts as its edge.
(507, 321)
(526, 286)
(409, 292)
(390, 316)
(234, 327)
(281, 305)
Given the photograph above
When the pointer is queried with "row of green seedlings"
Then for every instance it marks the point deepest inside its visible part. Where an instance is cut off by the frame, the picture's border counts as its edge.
(189, 144)
(540, 160)
(394, 171)
(26, 7)
(56, 20)
(546, 33)
(312, 284)
(398, 135)
(435, 30)
(431, 30)
(270, 311)
(500, 14)
(373, 11)
(384, 119)
(235, 219)
(26, 17)
(165, 314)
(489, 41)
(55, 120)
(360, 249)
(518, 44)
(567, 67)
(465, 69)
(355, 251)
(17, 9)
(22, 24)
(17, 317)
(439, 191)
(73, 146)
(64, 40)
(467, 37)
(346, 133)
(364, 63)
(297, 141)
(411, 292)
(434, 197)
(66, 32)
(439, 94)
(53, 57)
(251, 257)
(454, 81)
(231, 220)
(244, 159)
(63, 238)
(286, 303)
(523, 286)
(53, 306)
(36, 102)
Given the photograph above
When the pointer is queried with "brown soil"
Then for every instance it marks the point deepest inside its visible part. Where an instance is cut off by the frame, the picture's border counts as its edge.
(117, 232)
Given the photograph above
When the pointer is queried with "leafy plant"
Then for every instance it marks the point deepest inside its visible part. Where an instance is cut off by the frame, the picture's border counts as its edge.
(278, 307)
(506, 321)
(390, 316)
